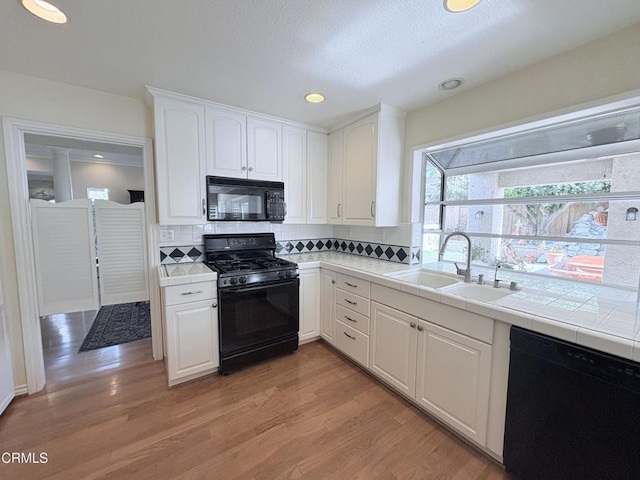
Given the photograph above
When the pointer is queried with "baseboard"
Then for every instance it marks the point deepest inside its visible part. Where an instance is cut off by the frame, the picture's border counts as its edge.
(21, 390)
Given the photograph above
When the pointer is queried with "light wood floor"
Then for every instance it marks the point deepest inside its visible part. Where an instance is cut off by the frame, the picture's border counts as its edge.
(62, 336)
(311, 415)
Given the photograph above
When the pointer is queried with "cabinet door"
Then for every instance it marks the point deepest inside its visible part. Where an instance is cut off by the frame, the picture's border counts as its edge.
(180, 161)
(316, 177)
(334, 177)
(309, 304)
(327, 305)
(393, 351)
(360, 172)
(226, 143)
(192, 340)
(294, 162)
(453, 379)
(264, 150)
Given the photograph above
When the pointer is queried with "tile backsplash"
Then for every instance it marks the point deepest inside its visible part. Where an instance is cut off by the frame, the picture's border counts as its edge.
(183, 243)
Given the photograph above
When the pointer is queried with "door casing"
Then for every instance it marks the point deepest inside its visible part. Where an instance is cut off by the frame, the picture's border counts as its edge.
(14, 130)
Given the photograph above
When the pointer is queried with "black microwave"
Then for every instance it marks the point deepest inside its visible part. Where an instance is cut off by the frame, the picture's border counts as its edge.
(237, 200)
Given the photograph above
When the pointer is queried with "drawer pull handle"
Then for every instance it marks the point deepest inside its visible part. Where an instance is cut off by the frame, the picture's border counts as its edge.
(352, 338)
(215, 305)
(350, 285)
(351, 319)
(412, 324)
(195, 292)
(420, 328)
(350, 302)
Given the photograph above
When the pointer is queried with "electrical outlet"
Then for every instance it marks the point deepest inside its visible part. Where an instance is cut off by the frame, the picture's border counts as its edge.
(167, 236)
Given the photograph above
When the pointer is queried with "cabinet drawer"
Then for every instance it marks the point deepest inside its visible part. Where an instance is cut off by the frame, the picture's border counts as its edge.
(353, 302)
(353, 343)
(354, 285)
(353, 319)
(190, 292)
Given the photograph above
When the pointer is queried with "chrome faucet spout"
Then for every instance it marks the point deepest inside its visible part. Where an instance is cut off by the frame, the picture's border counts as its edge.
(465, 273)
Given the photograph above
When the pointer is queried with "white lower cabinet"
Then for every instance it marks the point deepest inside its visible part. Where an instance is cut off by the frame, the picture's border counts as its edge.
(327, 305)
(190, 320)
(353, 343)
(446, 372)
(394, 347)
(309, 305)
(191, 330)
(454, 374)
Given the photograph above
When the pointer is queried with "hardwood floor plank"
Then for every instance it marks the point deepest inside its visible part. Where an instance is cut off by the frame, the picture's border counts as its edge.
(311, 415)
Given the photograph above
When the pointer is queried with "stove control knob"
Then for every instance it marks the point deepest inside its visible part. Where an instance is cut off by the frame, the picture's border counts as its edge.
(233, 281)
(243, 279)
(280, 274)
(287, 273)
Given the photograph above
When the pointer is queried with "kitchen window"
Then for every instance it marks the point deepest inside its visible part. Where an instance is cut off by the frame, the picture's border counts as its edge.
(94, 193)
(559, 215)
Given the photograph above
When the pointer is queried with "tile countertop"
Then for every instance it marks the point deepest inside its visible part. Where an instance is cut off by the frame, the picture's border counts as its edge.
(182, 273)
(600, 317)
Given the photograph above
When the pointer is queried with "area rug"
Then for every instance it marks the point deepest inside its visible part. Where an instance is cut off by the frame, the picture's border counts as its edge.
(117, 324)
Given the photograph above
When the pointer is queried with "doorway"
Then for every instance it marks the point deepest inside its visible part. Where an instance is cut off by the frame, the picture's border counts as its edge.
(87, 215)
(15, 132)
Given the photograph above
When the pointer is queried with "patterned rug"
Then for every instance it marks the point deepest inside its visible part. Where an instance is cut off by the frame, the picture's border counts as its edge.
(117, 324)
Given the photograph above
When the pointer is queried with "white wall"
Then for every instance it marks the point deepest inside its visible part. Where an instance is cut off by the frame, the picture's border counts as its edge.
(601, 68)
(31, 98)
(117, 178)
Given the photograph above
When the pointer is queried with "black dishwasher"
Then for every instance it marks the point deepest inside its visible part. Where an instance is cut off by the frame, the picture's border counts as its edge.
(572, 412)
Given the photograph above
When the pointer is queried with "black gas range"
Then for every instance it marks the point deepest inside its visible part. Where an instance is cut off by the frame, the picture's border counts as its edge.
(258, 297)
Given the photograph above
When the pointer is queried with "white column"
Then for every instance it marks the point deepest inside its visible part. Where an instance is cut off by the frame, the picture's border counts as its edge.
(62, 175)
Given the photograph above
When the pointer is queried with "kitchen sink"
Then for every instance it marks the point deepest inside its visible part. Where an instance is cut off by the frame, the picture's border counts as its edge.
(482, 293)
(424, 278)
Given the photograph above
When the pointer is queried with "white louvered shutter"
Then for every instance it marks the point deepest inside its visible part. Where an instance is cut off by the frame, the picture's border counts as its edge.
(65, 256)
(122, 252)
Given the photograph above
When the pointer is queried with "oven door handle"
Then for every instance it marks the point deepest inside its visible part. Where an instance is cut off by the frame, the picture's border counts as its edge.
(259, 287)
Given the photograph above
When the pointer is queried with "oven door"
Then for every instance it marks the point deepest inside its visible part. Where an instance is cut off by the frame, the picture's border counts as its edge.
(254, 316)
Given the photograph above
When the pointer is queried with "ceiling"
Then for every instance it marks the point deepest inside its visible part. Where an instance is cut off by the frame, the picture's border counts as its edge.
(264, 55)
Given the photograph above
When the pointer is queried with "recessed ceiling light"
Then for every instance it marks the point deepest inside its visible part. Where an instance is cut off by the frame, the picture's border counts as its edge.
(97, 155)
(457, 6)
(450, 84)
(45, 10)
(314, 97)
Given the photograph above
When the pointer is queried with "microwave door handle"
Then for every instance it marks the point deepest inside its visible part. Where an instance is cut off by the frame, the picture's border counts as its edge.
(260, 287)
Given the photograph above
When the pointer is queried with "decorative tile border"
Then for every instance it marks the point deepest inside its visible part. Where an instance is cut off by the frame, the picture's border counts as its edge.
(304, 246)
(392, 253)
(184, 254)
(416, 255)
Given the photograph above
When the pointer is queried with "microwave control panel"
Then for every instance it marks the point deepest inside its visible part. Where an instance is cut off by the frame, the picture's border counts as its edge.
(276, 207)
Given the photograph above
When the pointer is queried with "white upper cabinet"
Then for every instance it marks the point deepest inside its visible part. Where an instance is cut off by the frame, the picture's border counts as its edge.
(196, 138)
(294, 161)
(264, 150)
(316, 177)
(334, 177)
(180, 161)
(226, 141)
(365, 164)
(304, 159)
(359, 171)
(239, 146)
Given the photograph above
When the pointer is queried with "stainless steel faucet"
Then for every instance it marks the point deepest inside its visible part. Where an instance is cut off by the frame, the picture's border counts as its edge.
(465, 273)
(496, 280)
